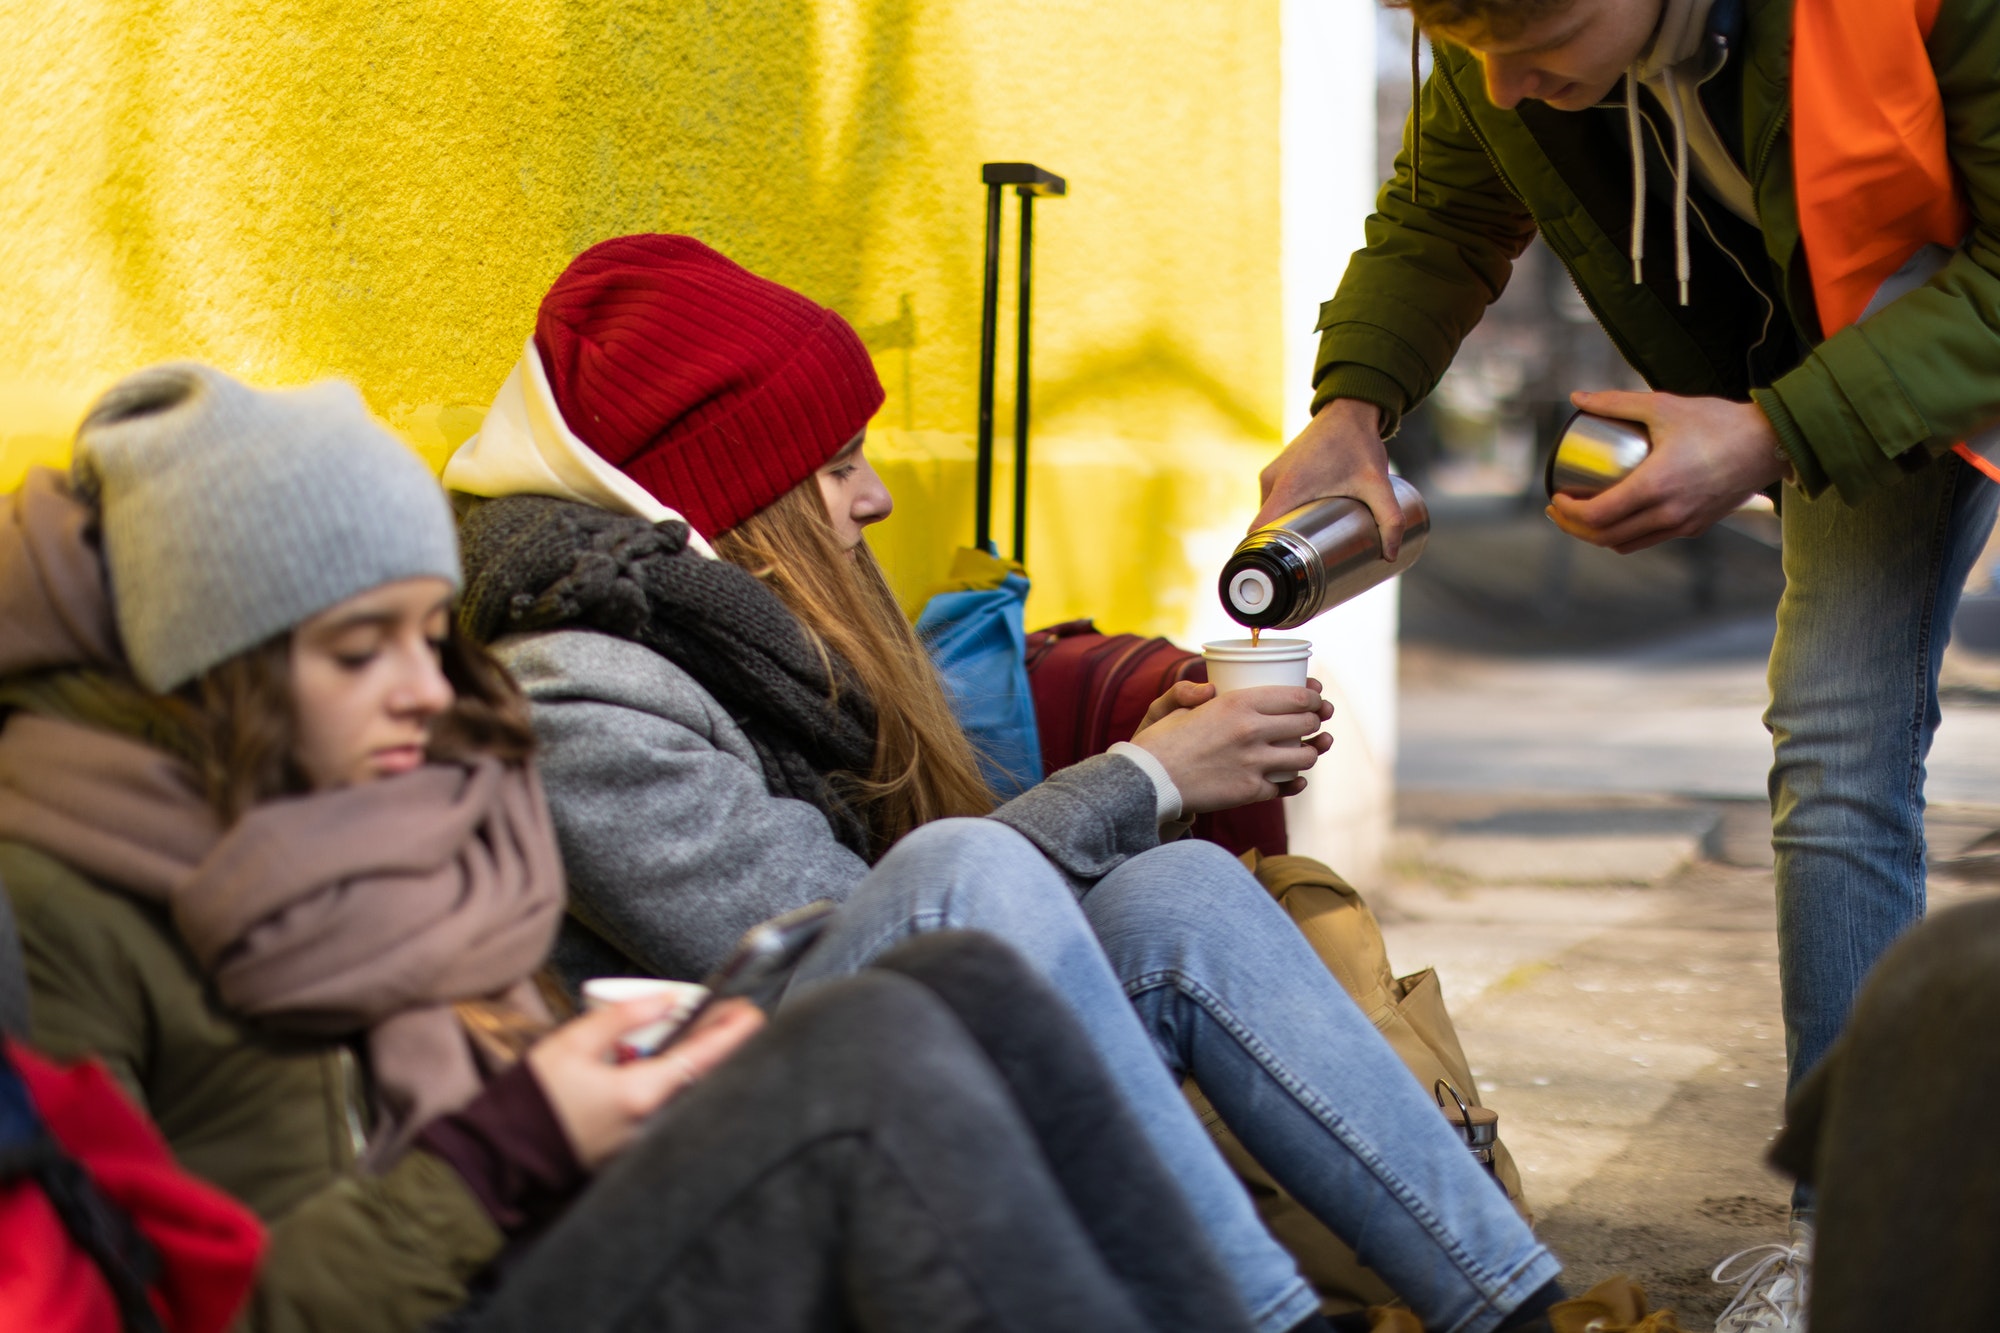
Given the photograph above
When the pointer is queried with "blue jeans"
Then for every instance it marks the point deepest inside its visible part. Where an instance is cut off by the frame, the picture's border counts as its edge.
(1869, 594)
(1178, 962)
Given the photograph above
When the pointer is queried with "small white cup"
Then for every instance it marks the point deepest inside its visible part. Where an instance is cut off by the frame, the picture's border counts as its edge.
(1238, 664)
(601, 992)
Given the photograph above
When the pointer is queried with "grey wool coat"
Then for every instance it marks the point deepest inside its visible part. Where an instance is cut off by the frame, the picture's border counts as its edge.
(674, 846)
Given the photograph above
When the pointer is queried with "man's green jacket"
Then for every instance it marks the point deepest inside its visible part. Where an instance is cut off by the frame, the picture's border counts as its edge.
(1852, 411)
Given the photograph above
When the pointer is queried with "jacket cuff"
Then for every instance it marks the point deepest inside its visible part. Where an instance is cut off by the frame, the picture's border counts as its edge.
(511, 1151)
(1811, 476)
(1351, 379)
(1166, 795)
(1852, 423)
(1088, 818)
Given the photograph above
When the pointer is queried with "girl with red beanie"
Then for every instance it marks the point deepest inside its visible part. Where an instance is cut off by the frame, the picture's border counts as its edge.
(663, 541)
(281, 860)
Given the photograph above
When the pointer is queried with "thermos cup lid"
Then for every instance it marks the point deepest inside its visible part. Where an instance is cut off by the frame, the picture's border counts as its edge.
(1316, 556)
(1251, 591)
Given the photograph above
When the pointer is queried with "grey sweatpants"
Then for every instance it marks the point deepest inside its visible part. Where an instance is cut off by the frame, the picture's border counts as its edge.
(926, 1146)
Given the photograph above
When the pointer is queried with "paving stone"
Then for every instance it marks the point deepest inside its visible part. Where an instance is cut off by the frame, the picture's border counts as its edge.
(1578, 845)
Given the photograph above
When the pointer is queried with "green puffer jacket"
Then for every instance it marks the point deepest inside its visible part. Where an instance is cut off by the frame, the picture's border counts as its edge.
(274, 1121)
(1853, 411)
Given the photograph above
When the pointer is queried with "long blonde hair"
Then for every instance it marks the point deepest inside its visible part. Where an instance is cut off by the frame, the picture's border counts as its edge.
(924, 766)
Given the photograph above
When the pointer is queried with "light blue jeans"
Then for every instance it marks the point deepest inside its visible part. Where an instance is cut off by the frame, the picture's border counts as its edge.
(1870, 590)
(1178, 962)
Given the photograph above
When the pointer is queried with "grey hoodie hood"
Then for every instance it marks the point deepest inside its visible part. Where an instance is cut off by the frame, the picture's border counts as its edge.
(1676, 41)
(1681, 57)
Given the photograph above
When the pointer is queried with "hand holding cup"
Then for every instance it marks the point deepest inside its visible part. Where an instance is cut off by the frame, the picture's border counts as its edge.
(1239, 739)
(605, 992)
(602, 1103)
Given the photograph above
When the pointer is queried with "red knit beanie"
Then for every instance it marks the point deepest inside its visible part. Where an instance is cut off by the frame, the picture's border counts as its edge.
(713, 388)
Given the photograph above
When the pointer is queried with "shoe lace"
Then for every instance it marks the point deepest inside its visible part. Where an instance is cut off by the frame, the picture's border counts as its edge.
(1772, 1288)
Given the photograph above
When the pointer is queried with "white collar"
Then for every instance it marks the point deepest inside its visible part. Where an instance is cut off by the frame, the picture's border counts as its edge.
(524, 447)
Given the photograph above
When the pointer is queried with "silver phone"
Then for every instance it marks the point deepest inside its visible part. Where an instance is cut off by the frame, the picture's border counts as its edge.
(767, 952)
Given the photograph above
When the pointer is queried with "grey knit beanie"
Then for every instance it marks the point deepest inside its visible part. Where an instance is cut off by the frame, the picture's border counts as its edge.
(231, 514)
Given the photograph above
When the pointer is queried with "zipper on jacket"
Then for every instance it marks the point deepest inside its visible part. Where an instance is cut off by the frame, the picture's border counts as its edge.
(1465, 113)
(1763, 157)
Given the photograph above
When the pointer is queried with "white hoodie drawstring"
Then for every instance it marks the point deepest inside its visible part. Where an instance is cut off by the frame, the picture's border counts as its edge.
(1679, 117)
(1677, 113)
(1638, 175)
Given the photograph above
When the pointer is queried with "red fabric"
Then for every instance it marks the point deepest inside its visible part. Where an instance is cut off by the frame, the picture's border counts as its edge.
(511, 1151)
(713, 388)
(1092, 690)
(208, 1243)
(46, 1282)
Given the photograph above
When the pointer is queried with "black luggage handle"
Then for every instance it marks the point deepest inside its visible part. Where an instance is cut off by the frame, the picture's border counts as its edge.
(1028, 181)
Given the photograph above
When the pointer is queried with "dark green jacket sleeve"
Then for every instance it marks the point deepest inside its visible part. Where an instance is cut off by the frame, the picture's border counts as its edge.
(390, 1252)
(1428, 272)
(1925, 370)
(347, 1253)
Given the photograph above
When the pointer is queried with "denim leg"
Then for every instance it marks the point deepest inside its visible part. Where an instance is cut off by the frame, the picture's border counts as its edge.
(975, 874)
(1870, 590)
(1234, 995)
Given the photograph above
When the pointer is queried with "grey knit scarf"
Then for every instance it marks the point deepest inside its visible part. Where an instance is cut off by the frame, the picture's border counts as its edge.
(535, 563)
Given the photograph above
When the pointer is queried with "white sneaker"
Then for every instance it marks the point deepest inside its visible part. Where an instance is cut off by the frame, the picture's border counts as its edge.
(1772, 1286)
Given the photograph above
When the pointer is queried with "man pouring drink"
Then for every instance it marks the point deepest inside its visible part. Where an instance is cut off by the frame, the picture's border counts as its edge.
(1739, 189)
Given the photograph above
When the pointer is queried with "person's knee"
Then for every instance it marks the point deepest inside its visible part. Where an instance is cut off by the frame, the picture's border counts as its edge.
(1190, 879)
(991, 877)
(968, 841)
(1190, 907)
(1202, 861)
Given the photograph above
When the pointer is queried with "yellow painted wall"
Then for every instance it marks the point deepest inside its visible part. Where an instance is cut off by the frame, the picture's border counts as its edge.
(382, 191)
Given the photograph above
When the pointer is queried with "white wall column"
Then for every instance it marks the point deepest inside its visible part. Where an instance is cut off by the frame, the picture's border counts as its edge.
(1329, 179)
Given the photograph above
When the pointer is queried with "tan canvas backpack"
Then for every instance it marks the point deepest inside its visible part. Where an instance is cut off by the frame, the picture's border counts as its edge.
(1409, 1011)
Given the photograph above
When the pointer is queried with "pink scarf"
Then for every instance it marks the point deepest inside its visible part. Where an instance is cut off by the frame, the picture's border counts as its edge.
(367, 910)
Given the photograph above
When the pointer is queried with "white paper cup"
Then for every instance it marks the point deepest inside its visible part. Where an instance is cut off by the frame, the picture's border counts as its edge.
(600, 992)
(1235, 664)
(1238, 664)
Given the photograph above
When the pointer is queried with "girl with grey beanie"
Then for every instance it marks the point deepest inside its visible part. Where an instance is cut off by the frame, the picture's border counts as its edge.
(281, 860)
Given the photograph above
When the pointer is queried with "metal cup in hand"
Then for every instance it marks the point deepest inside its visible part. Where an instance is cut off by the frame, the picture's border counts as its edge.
(1595, 453)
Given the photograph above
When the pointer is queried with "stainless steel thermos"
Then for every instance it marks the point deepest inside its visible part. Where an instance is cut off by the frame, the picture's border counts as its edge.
(1317, 557)
(1593, 454)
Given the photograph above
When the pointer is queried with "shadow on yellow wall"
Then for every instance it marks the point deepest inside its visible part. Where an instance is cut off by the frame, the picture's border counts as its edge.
(299, 188)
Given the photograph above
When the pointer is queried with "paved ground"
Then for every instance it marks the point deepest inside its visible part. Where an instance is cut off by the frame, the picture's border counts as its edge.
(1626, 1026)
